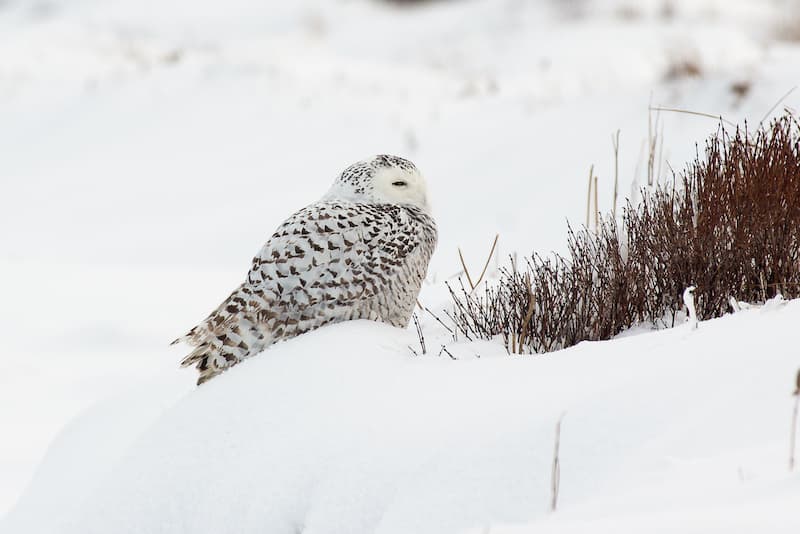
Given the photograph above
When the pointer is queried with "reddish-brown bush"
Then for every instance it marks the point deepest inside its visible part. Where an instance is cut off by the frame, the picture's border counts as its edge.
(731, 227)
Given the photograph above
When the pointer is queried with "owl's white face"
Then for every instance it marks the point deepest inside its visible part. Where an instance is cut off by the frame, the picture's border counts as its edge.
(396, 185)
(381, 179)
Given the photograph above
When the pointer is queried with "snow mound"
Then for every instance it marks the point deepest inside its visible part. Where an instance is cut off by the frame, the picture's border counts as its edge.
(343, 430)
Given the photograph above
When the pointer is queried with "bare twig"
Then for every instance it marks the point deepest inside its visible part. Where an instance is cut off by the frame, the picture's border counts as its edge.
(778, 103)
(444, 349)
(439, 320)
(555, 475)
(697, 113)
(660, 152)
(652, 140)
(464, 267)
(420, 335)
(615, 144)
(528, 314)
(491, 253)
(513, 343)
(596, 207)
(472, 285)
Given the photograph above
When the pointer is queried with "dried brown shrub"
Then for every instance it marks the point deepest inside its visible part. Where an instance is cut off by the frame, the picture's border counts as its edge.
(731, 227)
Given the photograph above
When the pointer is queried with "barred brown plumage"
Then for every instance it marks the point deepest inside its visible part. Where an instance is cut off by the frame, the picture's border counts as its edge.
(361, 252)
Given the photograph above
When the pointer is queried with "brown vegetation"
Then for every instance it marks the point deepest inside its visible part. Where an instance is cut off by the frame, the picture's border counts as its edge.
(731, 227)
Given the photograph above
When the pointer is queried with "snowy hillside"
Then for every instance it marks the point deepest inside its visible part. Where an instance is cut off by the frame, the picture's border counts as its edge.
(150, 148)
(676, 431)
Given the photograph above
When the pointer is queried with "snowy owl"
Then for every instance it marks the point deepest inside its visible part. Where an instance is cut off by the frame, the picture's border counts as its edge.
(360, 252)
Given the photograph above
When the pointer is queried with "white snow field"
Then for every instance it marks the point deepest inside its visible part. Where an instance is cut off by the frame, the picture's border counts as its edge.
(149, 148)
(340, 431)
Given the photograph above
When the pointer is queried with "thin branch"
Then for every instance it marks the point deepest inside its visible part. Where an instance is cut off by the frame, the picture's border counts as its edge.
(444, 349)
(596, 207)
(420, 335)
(528, 314)
(439, 320)
(555, 475)
(615, 144)
(486, 265)
(472, 285)
(778, 103)
(466, 271)
(660, 152)
(455, 338)
(698, 113)
(650, 141)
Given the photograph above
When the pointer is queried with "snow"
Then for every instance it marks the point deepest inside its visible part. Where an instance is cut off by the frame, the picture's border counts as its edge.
(683, 430)
(149, 148)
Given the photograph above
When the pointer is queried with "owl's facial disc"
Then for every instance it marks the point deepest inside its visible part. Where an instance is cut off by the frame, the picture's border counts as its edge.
(398, 185)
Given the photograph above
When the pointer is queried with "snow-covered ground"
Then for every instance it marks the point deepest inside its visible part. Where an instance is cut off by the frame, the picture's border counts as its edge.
(681, 430)
(149, 148)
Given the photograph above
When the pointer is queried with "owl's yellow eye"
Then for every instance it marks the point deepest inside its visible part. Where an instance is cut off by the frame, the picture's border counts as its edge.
(400, 183)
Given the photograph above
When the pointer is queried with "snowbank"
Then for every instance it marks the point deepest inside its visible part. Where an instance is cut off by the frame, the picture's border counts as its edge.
(342, 430)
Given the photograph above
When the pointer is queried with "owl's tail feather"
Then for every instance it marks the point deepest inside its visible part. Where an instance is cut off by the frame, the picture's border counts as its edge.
(226, 337)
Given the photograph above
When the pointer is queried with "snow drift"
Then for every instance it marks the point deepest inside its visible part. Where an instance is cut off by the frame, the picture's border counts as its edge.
(342, 430)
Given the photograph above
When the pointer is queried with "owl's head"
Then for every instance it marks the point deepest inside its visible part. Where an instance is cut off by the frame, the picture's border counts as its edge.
(381, 179)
